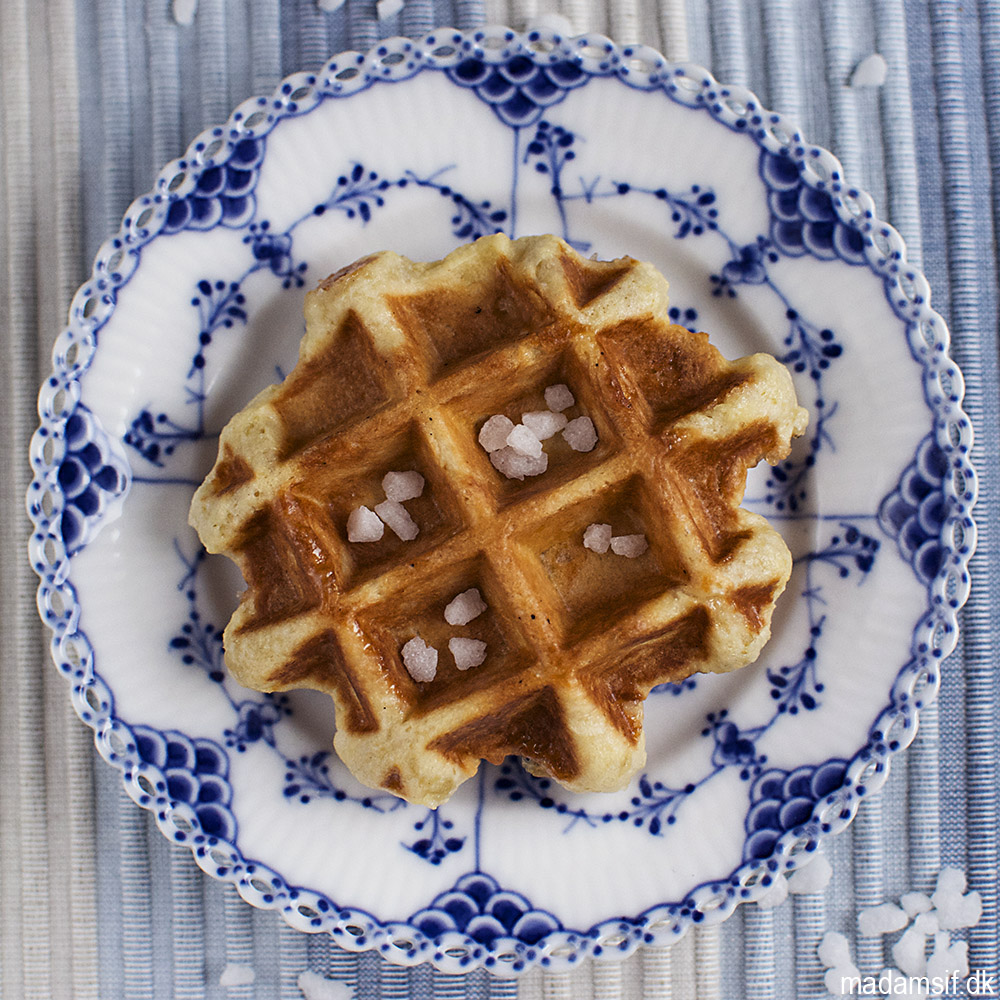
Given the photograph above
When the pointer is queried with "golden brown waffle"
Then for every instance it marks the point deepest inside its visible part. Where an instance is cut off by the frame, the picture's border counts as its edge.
(401, 365)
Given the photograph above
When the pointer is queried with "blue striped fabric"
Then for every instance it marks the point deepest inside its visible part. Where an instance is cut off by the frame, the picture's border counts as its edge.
(959, 75)
(728, 57)
(925, 144)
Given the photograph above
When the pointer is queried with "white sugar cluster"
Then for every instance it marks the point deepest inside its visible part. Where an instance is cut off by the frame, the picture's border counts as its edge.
(811, 877)
(886, 918)
(465, 607)
(313, 986)
(366, 525)
(924, 951)
(599, 538)
(183, 12)
(467, 652)
(835, 955)
(516, 450)
(237, 975)
(421, 660)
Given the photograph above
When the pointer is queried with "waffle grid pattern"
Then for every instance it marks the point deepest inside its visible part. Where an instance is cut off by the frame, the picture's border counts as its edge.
(419, 357)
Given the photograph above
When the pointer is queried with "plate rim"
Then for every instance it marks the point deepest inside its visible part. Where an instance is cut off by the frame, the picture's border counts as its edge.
(395, 60)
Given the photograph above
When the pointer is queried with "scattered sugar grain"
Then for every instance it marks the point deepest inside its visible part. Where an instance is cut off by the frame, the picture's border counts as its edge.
(313, 986)
(630, 546)
(558, 398)
(812, 877)
(910, 953)
(838, 979)
(529, 465)
(953, 906)
(551, 21)
(420, 659)
(915, 902)
(400, 486)
(183, 12)
(965, 911)
(960, 954)
(544, 423)
(597, 537)
(524, 441)
(514, 465)
(580, 434)
(330, 5)
(883, 919)
(950, 881)
(237, 975)
(870, 72)
(775, 895)
(504, 461)
(364, 525)
(467, 652)
(927, 924)
(936, 957)
(465, 607)
(493, 434)
(388, 8)
(834, 950)
(948, 959)
(398, 518)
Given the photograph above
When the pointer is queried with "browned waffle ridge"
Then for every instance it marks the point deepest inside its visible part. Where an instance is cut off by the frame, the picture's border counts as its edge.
(401, 365)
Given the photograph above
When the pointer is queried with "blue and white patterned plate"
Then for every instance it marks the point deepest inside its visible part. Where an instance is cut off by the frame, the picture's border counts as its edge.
(196, 304)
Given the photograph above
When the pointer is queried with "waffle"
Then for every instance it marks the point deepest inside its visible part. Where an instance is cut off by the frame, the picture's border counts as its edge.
(401, 367)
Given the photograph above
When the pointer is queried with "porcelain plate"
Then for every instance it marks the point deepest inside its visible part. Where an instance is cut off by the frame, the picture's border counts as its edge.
(196, 304)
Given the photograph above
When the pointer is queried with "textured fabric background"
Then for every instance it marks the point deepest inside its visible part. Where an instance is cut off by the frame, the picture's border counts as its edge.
(95, 95)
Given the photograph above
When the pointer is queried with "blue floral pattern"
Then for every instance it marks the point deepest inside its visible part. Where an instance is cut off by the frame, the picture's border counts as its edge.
(783, 801)
(519, 89)
(478, 907)
(308, 778)
(222, 194)
(91, 476)
(914, 513)
(523, 84)
(196, 773)
(803, 216)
